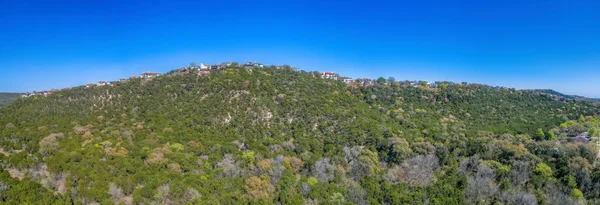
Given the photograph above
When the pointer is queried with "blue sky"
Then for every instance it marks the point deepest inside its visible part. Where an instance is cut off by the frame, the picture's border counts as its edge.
(523, 44)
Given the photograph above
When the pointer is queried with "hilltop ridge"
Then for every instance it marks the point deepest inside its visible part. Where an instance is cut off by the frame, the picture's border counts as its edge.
(207, 68)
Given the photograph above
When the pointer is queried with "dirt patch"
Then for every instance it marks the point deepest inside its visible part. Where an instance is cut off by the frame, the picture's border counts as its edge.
(15, 173)
(4, 152)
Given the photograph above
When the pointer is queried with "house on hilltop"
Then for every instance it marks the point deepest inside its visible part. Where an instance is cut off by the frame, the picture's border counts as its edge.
(250, 65)
(147, 75)
(328, 75)
(27, 94)
(204, 67)
(365, 81)
(226, 64)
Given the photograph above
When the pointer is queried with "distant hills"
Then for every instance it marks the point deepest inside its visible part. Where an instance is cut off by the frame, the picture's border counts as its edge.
(561, 96)
(6, 98)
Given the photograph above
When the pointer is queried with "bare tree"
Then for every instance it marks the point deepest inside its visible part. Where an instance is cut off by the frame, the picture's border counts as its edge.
(288, 146)
(115, 192)
(517, 197)
(520, 173)
(324, 170)
(351, 154)
(190, 195)
(357, 195)
(468, 165)
(414, 171)
(556, 196)
(162, 194)
(277, 169)
(228, 166)
(49, 144)
(305, 189)
(359, 169)
(481, 186)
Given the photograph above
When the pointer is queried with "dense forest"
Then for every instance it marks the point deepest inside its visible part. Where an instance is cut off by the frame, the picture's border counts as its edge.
(7, 98)
(278, 136)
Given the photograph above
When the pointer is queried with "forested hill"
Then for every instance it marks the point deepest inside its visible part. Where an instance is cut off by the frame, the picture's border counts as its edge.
(560, 96)
(6, 98)
(271, 136)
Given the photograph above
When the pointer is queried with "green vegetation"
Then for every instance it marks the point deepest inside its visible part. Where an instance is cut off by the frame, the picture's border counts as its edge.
(271, 136)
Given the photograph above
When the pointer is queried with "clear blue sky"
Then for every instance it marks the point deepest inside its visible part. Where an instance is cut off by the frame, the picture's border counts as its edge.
(523, 44)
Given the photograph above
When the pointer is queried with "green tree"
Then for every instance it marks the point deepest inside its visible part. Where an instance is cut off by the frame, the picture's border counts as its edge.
(391, 79)
(571, 181)
(248, 157)
(539, 135)
(577, 194)
(550, 136)
(543, 170)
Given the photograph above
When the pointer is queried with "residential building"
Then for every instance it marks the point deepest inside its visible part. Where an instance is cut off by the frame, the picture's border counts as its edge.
(413, 84)
(328, 75)
(365, 81)
(432, 85)
(226, 64)
(149, 75)
(348, 80)
(102, 83)
(581, 139)
(122, 79)
(215, 67)
(249, 65)
(204, 67)
(182, 70)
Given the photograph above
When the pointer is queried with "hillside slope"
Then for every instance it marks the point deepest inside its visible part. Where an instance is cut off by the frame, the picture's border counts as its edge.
(278, 136)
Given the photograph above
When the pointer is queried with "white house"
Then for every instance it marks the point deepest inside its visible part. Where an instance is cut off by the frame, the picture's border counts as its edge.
(149, 75)
(204, 67)
(328, 75)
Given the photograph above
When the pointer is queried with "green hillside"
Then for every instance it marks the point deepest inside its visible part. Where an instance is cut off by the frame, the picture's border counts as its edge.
(272, 136)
